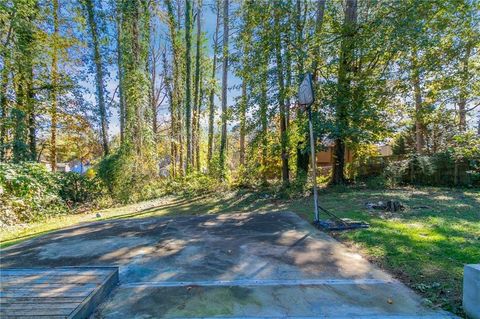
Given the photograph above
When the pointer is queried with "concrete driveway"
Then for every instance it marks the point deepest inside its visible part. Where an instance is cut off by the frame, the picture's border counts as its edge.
(266, 265)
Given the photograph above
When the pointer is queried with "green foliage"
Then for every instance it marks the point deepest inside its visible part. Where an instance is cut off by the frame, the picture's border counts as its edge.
(192, 185)
(126, 175)
(376, 182)
(117, 180)
(77, 189)
(466, 146)
(441, 169)
(394, 173)
(28, 192)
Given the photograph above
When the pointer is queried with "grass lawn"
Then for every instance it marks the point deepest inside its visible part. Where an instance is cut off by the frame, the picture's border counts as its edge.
(425, 246)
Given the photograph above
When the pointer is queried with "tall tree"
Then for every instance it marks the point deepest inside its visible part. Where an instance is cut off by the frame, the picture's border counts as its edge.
(223, 138)
(419, 112)
(54, 89)
(344, 96)
(302, 154)
(24, 112)
(197, 123)
(135, 42)
(211, 104)
(244, 39)
(465, 29)
(99, 73)
(462, 99)
(6, 56)
(196, 95)
(157, 87)
(281, 93)
(121, 88)
(317, 41)
(188, 82)
(176, 90)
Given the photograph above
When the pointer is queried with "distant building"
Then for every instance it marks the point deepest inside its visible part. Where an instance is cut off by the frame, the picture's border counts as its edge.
(79, 166)
(61, 167)
(76, 166)
(325, 157)
(164, 166)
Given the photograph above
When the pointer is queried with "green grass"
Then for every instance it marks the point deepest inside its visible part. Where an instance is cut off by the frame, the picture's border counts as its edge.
(425, 246)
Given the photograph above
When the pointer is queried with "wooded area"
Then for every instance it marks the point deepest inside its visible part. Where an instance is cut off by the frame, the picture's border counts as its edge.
(166, 89)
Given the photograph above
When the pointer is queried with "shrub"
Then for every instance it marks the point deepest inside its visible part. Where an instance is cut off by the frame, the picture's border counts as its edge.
(376, 182)
(192, 185)
(28, 192)
(441, 169)
(126, 176)
(395, 172)
(77, 189)
(420, 170)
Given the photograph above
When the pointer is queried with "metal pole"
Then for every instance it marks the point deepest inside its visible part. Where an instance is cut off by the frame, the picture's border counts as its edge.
(314, 164)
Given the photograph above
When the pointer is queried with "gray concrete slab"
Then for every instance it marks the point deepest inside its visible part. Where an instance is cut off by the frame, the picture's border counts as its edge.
(232, 265)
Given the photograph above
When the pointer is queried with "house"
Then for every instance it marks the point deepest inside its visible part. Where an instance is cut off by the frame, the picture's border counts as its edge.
(79, 166)
(61, 167)
(325, 157)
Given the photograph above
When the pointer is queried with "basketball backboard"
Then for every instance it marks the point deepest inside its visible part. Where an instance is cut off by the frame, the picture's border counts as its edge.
(305, 91)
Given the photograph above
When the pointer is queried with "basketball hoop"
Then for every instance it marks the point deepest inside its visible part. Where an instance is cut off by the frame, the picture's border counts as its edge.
(306, 98)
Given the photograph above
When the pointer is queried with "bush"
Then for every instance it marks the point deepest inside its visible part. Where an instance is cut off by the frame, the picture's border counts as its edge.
(394, 173)
(77, 189)
(126, 176)
(441, 169)
(28, 192)
(191, 185)
(421, 170)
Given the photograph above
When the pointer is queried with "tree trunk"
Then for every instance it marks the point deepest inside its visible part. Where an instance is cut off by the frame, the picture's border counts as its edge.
(478, 125)
(175, 107)
(246, 47)
(264, 121)
(3, 94)
(31, 115)
(316, 47)
(243, 108)
(120, 77)
(153, 94)
(211, 107)
(288, 66)
(135, 47)
(4, 110)
(417, 92)
(302, 154)
(53, 95)
(169, 94)
(344, 96)
(99, 78)
(196, 95)
(223, 140)
(462, 101)
(188, 83)
(197, 126)
(281, 98)
(24, 146)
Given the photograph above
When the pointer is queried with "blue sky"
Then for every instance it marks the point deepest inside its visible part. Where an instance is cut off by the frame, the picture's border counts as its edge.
(208, 25)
